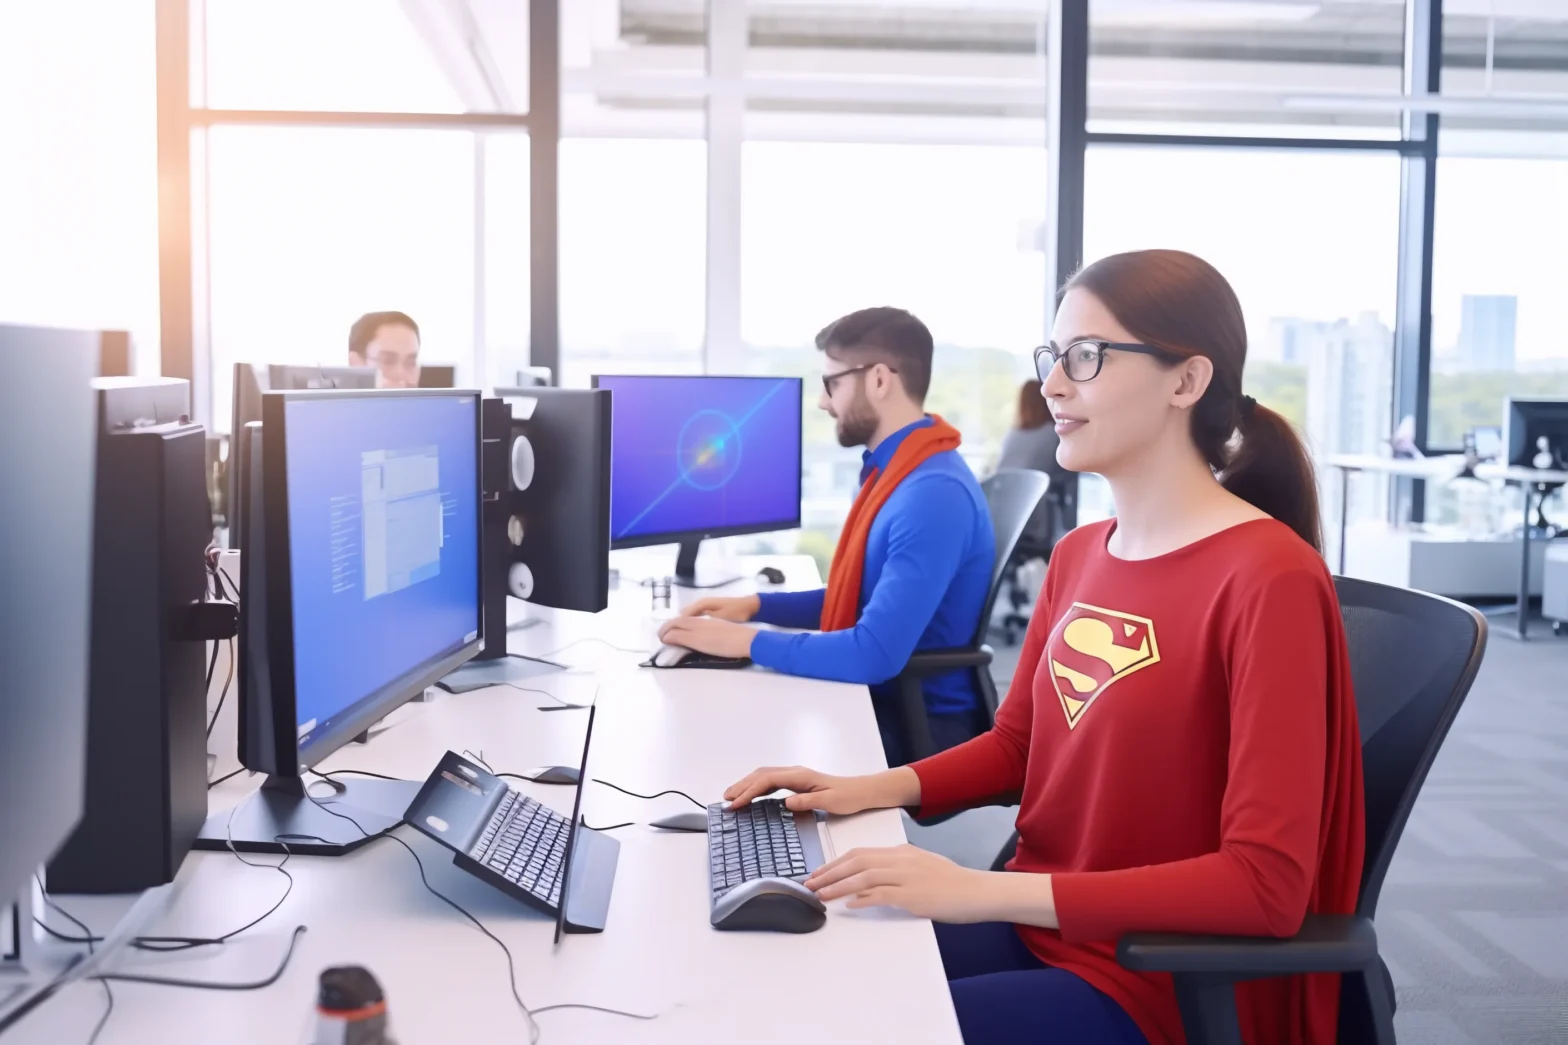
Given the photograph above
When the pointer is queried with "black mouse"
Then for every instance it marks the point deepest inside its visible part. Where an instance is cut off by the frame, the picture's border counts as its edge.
(771, 574)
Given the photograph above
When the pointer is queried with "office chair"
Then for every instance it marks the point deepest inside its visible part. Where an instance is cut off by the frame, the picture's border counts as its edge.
(1011, 496)
(1413, 657)
(1039, 538)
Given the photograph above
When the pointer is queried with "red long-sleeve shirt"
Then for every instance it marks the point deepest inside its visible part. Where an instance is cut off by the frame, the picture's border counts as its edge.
(1184, 735)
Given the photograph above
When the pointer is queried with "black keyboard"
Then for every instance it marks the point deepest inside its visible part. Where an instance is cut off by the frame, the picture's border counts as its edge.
(756, 841)
(525, 846)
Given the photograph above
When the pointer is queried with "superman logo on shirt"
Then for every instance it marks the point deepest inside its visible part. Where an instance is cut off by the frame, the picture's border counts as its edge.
(1091, 649)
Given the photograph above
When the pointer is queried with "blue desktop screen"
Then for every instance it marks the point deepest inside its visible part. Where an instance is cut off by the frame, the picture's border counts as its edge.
(703, 454)
(383, 498)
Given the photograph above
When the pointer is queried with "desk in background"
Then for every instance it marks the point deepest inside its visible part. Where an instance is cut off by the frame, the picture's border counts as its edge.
(865, 976)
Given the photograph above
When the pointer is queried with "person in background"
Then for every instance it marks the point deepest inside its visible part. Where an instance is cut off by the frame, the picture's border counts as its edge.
(913, 565)
(1181, 726)
(388, 341)
(1031, 446)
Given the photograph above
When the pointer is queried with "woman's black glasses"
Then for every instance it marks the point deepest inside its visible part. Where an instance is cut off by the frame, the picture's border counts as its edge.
(1082, 360)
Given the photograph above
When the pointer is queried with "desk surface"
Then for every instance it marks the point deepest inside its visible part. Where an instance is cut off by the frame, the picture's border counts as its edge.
(865, 976)
(1446, 466)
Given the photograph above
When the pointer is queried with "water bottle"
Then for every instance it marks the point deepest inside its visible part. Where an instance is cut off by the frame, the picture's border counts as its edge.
(350, 1009)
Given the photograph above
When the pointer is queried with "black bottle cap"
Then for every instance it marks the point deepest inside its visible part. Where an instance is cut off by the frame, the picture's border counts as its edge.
(348, 988)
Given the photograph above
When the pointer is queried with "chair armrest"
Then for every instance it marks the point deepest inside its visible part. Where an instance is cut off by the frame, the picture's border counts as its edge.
(1326, 943)
(938, 661)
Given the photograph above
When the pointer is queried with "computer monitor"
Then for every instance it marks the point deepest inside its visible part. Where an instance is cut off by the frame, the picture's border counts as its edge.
(437, 375)
(1487, 442)
(1527, 422)
(697, 457)
(283, 378)
(547, 518)
(250, 381)
(47, 421)
(360, 587)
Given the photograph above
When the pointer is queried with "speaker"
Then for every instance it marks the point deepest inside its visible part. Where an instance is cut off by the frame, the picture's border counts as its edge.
(146, 721)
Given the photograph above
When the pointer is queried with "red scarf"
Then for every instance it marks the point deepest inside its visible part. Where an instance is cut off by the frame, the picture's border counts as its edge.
(841, 605)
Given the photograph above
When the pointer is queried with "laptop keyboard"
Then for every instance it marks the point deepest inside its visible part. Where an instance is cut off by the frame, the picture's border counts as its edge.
(525, 843)
(756, 841)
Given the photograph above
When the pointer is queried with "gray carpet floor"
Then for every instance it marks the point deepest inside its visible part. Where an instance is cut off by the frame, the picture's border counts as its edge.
(1473, 919)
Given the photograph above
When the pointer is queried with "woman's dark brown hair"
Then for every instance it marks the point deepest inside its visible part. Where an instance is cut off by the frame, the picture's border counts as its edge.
(1180, 303)
(1032, 411)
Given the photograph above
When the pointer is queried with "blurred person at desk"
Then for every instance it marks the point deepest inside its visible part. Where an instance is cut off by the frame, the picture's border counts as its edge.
(1031, 446)
(388, 341)
(913, 565)
(1181, 734)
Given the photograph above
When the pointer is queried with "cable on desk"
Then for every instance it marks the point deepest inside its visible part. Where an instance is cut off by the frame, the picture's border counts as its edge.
(227, 682)
(108, 993)
(212, 662)
(354, 772)
(661, 794)
(612, 827)
(543, 693)
(480, 758)
(208, 985)
(226, 776)
(511, 965)
(596, 641)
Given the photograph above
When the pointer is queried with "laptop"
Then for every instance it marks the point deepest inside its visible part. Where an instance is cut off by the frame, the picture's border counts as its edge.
(552, 863)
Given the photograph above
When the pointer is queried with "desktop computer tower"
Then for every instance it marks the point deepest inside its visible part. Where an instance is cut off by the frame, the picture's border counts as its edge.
(146, 792)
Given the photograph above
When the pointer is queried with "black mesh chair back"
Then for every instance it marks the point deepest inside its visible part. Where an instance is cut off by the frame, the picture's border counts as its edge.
(1011, 495)
(1413, 657)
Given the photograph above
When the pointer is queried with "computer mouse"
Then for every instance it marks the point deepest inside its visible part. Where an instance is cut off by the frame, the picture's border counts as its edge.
(771, 574)
(669, 656)
(780, 905)
(690, 821)
(681, 657)
(554, 775)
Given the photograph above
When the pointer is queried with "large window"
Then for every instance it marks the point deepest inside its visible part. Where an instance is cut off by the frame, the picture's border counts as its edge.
(948, 232)
(1499, 273)
(1308, 240)
(632, 272)
(311, 228)
(78, 170)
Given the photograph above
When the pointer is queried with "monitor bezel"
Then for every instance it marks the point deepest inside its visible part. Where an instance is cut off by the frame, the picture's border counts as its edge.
(374, 706)
(683, 536)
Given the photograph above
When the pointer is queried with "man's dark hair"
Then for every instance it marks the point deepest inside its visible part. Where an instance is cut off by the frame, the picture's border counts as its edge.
(363, 332)
(884, 335)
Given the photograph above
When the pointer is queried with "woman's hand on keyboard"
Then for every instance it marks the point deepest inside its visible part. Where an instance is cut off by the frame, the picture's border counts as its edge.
(831, 794)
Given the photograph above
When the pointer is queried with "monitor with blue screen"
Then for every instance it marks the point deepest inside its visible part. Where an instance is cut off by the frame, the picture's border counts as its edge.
(364, 551)
(696, 457)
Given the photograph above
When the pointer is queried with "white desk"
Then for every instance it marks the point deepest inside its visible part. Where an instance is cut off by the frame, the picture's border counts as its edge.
(1535, 484)
(865, 976)
(1436, 468)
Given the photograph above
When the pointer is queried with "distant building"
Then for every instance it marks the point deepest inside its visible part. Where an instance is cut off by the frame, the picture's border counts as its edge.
(1291, 340)
(1350, 404)
(1486, 332)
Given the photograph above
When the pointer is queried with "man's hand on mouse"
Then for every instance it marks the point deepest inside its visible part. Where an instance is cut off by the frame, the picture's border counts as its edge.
(740, 610)
(710, 635)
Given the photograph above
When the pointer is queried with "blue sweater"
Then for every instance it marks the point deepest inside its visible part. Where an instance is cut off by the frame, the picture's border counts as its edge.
(928, 570)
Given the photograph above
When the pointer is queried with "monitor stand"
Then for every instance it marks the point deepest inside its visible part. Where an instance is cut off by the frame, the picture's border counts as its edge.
(499, 668)
(280, 815)
(686, 575)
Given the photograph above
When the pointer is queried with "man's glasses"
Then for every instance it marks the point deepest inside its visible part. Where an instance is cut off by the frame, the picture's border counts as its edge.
(1082, 360)
(829, 380)
(392, 361)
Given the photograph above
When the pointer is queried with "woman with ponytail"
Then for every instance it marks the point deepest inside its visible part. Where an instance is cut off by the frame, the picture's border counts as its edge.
(1181, 725)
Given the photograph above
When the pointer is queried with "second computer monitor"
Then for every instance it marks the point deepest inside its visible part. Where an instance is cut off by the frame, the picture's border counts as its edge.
(283, 378)
(697, 457)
